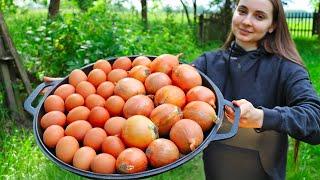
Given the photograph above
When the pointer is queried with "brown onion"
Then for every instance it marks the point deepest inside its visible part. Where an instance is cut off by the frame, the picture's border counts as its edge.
(187, 135)
(202, 113)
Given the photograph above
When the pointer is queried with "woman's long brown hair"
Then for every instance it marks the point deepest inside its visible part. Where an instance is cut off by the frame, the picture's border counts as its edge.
(278, 42)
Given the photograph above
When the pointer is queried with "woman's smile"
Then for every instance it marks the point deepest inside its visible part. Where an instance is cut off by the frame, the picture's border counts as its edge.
(244, 32)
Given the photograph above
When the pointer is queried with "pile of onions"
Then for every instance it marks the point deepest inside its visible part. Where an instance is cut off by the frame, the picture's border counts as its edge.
(128, 116)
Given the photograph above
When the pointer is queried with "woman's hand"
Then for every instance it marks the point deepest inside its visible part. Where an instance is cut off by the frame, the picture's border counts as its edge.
(250, 116)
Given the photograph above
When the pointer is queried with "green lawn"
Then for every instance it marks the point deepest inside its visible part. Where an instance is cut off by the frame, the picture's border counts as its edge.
(20, 158)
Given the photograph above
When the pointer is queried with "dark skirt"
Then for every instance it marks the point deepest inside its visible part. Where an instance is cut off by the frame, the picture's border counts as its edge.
(225, 162)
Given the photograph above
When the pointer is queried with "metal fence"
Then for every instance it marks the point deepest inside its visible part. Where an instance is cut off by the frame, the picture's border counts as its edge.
(302, 24)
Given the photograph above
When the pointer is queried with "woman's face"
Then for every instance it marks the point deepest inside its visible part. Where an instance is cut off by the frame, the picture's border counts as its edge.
(251, 21)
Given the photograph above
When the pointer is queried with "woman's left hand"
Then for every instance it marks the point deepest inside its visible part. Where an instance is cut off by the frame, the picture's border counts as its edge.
(250, 116)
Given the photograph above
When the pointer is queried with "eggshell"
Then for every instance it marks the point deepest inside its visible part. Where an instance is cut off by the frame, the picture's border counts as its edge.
(94, 138)
(103, 163)
(66, 148)
(83, 157)
(52, 135)
(53, 118)
(78, 129)
(78, 113)
(64, 91)
(54, 103)
(73, 100)
(77, 76)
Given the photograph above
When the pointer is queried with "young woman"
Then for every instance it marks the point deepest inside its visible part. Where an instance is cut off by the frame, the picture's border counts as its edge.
(260, 70)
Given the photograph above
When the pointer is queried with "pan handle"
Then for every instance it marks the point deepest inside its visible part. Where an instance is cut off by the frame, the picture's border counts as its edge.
(28, 102)
(234, 129)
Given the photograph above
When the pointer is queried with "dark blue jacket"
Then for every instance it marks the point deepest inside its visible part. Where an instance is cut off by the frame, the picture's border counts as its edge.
(280, 87)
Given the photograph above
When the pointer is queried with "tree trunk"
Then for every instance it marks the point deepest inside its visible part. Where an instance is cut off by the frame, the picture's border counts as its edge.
(144, 12)
(318, 21)
(195, 11)
(186, 10)
(53, 8)
(227, 16)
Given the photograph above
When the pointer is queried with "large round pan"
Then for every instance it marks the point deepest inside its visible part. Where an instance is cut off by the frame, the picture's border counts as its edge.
(209, 136)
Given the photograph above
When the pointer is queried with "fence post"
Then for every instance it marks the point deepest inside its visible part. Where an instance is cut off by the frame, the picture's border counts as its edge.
(201, 24)
(318, 21)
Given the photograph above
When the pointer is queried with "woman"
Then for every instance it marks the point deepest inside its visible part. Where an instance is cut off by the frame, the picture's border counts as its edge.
(260, 70)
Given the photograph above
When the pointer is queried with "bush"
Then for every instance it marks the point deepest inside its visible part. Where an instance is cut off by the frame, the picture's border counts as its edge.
(73, 40)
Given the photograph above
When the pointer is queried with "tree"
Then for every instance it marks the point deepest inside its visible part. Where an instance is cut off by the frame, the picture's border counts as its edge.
(144, 12)
(194, 11)
(53, 8)
(186, 11)
(227, 15)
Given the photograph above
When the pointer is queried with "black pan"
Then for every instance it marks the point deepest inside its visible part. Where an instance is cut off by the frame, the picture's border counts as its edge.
(209, 136)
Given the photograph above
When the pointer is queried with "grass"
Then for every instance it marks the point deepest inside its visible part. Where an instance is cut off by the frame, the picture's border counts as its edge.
(20, 157)
(308, 161)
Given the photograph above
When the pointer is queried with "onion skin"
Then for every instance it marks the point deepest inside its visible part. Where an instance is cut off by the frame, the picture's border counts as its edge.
(170, 94)
(139, 131)
(138, 105)
(103, 163)
(201, 93)
(155, 81)
(187, 135)
(141, 60)
(164, 63)
(202, 113)
(139, 72)
(131, 160)
(162, 152)
(165, 116)
(122, 63)
(128, 87)
(186, 77)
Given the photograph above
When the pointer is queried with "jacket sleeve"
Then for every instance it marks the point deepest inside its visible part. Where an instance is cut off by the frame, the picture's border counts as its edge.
(201, 63)
(300, 118)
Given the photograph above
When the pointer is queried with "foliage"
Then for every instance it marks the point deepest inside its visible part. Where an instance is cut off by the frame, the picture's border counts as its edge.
(84, 5)
(7, 6)
(56, 47)
(315, 4)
